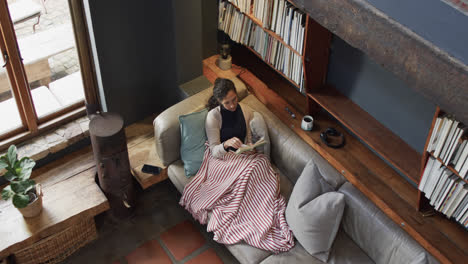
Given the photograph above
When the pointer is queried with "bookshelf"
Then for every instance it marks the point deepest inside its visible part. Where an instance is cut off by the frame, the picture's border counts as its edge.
(396, 196)
(441, 183)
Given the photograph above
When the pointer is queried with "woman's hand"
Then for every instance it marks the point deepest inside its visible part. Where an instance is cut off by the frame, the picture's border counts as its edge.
(232, 142)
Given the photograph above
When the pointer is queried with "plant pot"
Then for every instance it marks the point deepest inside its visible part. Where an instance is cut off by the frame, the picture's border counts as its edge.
(35, 207)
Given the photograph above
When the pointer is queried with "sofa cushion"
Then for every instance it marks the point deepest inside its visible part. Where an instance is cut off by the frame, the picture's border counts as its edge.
(176, 174)
(193, 138)
(296, 255)
(315, 223)
(382, 239)
(314, 213)
(246, 254)
(344, 251)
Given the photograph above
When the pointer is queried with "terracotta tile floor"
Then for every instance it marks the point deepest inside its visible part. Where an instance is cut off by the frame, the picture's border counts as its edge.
(182, 239)
(160, 231)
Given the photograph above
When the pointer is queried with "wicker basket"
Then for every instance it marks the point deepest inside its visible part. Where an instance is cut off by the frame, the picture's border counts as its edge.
(57, 247)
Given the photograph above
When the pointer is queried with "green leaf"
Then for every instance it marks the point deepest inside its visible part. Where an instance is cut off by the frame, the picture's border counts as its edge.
(3, 164)
(26, 165)
(9, 176)
(20, 200)
(7, 193)
(22, 186)
(12, 153)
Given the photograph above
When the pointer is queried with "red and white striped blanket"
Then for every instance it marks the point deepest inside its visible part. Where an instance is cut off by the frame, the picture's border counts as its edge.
(242, 193)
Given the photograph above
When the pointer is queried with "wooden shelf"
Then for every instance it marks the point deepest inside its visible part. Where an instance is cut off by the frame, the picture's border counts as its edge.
(271, 33)
(396, 197)
(241, 55)
(372, 132)
(273, 67)
(450, 167)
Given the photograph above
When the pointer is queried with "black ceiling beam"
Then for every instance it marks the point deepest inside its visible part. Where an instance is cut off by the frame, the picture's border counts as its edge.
(423, 66)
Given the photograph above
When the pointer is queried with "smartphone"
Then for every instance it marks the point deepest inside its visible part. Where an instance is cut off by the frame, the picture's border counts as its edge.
(151, 169)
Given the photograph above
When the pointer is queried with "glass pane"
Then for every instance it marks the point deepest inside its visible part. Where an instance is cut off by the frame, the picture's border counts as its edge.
(47, 46)
(10, 118)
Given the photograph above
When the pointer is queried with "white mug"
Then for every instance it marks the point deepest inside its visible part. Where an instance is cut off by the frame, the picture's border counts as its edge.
(307, 123)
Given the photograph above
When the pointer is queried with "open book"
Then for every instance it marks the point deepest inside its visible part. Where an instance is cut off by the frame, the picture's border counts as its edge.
(245, 148)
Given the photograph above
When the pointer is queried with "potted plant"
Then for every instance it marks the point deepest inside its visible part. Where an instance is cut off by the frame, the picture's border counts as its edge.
(25, 193)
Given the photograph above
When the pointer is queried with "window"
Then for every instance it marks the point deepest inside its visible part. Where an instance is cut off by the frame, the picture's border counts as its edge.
(46, 73)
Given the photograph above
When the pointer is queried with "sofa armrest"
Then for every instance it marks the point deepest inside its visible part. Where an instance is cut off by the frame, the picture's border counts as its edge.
(167, 127)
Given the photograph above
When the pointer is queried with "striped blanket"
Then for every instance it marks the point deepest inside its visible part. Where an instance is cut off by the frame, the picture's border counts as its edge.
(242, 194)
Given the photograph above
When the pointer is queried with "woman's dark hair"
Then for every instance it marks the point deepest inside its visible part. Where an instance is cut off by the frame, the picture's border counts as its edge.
(220, 90)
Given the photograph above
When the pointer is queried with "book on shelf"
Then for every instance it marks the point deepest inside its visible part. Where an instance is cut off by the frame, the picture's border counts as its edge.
(441, 184)
(245, 148)
(448, 139)
(457, 199)
(443, 136)
(453, 145)
(460, 209)
(462, 159)
(241, 29)
(458, 152)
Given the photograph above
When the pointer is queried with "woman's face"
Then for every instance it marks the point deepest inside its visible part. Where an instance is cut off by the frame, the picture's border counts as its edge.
(230, 101)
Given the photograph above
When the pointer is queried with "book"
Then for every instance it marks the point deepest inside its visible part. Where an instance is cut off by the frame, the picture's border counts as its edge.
(460, 208)
(434, 133)
(245, 148)
(445, 192)
(426, 173)
(450, 137)
(458, 152)
(443, 137)
(457, 200)
(461, 159)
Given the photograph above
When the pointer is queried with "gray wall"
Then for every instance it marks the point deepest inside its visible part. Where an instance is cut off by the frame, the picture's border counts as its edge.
(136, 49)
(209, 27)
(147, 48)
(188, 32)
(195, 34)
(433, 20)
(389, 100)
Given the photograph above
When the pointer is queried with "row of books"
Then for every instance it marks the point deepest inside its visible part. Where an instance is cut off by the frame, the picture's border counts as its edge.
(243, 5)
(284, 19)
(243, 30)
(446, 144)
(447, 192)
(278, 16)
(277, 55)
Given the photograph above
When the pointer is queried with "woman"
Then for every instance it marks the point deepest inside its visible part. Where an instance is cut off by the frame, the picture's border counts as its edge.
(230, 125)
(241, 191)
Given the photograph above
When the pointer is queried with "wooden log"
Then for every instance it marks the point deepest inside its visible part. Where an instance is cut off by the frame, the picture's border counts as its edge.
(113, 166)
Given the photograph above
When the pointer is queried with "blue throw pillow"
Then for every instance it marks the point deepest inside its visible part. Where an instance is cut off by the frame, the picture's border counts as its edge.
(193, 138)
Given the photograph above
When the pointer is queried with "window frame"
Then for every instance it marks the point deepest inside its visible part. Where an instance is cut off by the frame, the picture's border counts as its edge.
(33, 126)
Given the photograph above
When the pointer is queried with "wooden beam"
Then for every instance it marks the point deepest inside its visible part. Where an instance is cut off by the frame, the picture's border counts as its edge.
(423, 66)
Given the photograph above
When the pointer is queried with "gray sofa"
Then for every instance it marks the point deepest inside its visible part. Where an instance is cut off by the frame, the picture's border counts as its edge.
(366, 235)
